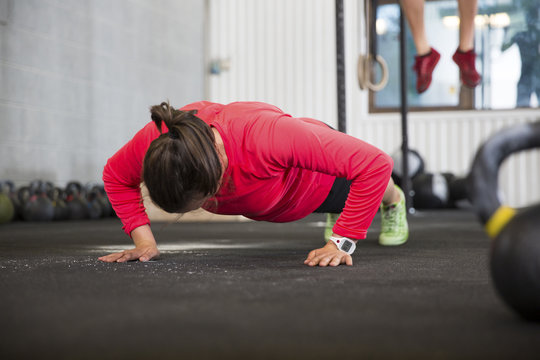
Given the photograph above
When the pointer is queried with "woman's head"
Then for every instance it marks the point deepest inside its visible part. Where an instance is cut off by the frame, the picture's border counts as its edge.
(182, 167)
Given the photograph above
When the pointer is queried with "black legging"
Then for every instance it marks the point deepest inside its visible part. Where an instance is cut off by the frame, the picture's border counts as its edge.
(335, 201)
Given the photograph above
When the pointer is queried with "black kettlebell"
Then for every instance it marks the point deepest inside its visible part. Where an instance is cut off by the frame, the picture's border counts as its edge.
(75, 201)
(61, 210)
(457, 189)
(515, 263)
(7, 210)
(93, 204)
(515, 250)
(9, 188)
(36, 205)
(430, 191)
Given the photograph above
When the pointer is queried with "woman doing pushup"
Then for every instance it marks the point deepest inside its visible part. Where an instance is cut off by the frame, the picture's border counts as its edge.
(252, 159)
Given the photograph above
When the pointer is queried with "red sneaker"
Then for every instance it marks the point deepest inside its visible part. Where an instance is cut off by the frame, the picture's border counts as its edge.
(467, 70)
(424, 65)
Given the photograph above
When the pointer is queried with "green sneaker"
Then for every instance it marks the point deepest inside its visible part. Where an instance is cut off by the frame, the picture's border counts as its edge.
(394, 227)
(330, 222)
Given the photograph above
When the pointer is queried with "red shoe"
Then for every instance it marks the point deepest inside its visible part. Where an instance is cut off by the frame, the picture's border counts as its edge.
(466, 62)
(424, 65)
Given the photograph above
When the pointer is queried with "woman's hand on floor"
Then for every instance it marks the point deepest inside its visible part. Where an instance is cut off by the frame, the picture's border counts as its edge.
(142, 253)
(145, 247)
(328, 255)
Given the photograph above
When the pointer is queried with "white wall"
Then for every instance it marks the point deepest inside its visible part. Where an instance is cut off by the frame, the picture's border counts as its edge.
(280, 51)
(77, 78)
(283, 52)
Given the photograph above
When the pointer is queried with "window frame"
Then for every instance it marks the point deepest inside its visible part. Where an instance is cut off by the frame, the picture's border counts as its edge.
(466, 97)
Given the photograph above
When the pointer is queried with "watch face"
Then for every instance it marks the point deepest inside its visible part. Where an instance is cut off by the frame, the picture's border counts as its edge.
(346, 245)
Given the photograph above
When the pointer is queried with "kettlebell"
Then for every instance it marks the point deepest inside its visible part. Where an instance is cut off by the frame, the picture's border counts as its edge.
(36, 205)
(92, 202)
(75, 201)
(7, 210)
(9, 189)
(457, 189)
(515, 249)
(103, 201)
(430, 191)
(61, 211)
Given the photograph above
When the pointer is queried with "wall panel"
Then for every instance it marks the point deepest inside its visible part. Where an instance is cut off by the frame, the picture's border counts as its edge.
(281, 52)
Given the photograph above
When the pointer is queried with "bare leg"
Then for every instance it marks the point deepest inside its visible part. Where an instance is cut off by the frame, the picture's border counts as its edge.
(414, 12)
(467, 12)
(391, 194)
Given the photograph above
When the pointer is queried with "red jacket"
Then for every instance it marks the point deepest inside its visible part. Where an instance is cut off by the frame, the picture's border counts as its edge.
(279, 168)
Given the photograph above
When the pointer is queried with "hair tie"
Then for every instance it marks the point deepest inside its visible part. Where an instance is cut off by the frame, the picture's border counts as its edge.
(173, 135)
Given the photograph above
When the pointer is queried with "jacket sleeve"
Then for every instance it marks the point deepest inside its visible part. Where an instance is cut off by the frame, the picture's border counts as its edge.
(309, 144)
(122, 179)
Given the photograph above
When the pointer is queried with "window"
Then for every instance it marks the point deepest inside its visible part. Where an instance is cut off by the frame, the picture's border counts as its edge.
(507, 44)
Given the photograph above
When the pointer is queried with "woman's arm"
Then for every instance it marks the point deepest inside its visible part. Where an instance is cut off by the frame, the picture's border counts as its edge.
(122, 174)
(122, 179)
(308, 144)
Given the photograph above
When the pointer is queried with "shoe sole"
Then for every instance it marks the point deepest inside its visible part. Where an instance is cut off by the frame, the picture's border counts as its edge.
(393, 243)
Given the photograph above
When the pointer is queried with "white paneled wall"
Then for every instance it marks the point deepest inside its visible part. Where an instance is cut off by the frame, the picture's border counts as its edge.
(280, 51)
(283, 52)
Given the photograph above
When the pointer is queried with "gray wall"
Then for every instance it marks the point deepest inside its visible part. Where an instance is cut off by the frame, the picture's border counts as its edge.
(77, 78)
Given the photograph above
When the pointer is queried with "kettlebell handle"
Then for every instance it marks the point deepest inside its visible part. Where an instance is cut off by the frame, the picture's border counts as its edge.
(482, 181)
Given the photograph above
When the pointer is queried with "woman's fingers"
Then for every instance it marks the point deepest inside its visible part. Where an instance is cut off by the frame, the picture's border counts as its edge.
(315, 258)
(332, 258)
(310, 257)
(337, 260)
(326, 258)
(127, 255)
(141, 254)
(111, 257)
(342, 259)
(122, 256)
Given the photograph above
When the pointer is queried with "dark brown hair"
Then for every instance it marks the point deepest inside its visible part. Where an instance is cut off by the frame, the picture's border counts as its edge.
(182, 165)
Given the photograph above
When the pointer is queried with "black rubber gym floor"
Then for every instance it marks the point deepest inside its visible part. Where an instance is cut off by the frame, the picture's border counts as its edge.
(240, 290)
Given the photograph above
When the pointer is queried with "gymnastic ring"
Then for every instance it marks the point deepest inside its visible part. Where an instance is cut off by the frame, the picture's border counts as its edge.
(364, 72)
(515, 249)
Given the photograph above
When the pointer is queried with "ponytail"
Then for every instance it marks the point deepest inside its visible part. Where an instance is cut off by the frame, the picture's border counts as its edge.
(181, 165)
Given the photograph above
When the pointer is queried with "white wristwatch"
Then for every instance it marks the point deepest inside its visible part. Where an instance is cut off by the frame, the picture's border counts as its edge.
(344, 244)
